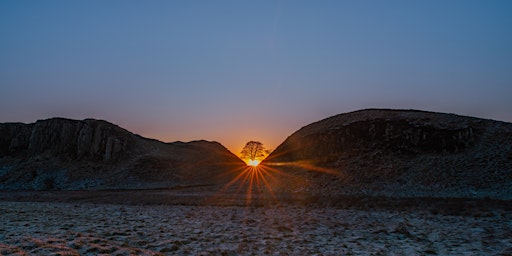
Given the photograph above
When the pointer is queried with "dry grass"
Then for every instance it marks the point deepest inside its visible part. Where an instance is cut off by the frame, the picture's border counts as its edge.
(51, 228)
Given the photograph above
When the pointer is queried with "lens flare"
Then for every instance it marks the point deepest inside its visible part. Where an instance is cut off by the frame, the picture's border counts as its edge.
(251, 162)
(258, 181)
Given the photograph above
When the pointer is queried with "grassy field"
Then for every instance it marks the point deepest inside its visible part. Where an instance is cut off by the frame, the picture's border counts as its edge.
(193, 221)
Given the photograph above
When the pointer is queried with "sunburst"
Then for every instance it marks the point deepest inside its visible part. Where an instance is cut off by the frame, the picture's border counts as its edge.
(259, 180)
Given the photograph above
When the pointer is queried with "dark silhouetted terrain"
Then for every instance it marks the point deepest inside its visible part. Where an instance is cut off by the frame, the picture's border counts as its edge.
(398, 153)
(63, 154)
(378, 153)
(371, 182)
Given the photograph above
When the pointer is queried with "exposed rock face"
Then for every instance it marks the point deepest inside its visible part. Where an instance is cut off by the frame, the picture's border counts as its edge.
(69, 154)
(401, 153)
(63, 138)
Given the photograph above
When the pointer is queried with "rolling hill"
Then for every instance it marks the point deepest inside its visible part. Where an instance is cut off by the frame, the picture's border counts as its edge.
(64, 154)
(398, 153)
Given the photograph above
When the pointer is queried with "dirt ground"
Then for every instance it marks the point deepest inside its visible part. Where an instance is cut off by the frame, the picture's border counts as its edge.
(195, 222)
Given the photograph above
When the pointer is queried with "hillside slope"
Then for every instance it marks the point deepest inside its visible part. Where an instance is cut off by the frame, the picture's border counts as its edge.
(399, 153)
(92, 154)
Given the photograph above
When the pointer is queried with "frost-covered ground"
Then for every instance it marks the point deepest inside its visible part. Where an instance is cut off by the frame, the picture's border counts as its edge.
(28, 228)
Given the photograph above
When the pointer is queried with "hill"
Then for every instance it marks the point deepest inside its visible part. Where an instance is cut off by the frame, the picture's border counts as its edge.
(398, 153)
(64, 154)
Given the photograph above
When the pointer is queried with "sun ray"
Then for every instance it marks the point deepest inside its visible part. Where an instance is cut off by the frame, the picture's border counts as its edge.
(234, 180)
(266, 183)
(259, 180)
(306, 166)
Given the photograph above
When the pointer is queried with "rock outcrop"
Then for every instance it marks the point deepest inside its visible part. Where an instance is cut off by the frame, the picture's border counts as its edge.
(93, 154)
(67, 139)
(400, 153)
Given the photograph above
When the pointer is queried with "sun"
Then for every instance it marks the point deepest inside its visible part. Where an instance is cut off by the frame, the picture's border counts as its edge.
(251, 162)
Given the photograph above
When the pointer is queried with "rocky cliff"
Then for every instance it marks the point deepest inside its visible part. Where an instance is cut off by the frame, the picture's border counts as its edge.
(399, 153)
(66, 139)
(93, 154)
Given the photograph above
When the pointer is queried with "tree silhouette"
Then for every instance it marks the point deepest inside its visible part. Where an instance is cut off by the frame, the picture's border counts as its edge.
(253, 150)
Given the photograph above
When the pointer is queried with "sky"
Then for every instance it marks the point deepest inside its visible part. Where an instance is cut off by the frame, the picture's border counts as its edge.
(235, 71)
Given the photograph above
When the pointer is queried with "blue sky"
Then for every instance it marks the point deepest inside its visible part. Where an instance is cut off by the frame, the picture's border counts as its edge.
(234, 71)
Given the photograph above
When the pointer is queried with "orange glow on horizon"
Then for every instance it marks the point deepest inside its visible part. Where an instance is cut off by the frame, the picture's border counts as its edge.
(254, 163)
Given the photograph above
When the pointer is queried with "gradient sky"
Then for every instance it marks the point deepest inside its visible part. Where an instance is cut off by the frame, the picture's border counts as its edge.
(234, 71)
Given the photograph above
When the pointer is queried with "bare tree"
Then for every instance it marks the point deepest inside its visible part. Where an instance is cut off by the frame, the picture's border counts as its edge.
(253, 150)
